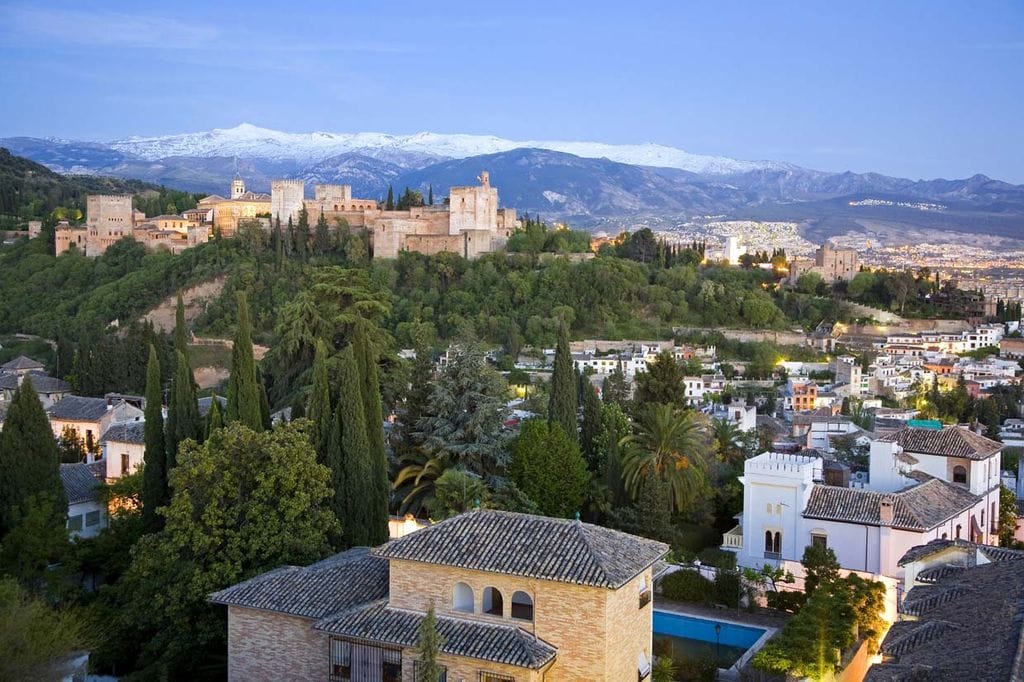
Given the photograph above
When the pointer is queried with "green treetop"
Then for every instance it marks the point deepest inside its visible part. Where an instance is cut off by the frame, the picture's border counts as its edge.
(354, 491)
(243, 386)
(29, 458)
(154, 491)
(562, 402)
(548, 467)
(183, 420)
(366, 362)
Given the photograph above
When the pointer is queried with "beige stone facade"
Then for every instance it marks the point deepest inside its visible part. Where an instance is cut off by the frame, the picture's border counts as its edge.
(301, 653)
(831, 263)
(599, 633)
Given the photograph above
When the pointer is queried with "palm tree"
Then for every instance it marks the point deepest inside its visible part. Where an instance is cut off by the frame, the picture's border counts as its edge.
(673, 444)
(730, 440)
(416, 479)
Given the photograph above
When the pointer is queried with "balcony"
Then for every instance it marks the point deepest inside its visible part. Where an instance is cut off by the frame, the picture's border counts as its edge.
(733, 539)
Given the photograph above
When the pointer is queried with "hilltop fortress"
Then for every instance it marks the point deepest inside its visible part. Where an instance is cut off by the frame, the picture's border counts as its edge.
(469, 223)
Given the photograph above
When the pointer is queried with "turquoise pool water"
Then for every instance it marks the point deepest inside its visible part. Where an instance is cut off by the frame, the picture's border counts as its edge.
(689, 638)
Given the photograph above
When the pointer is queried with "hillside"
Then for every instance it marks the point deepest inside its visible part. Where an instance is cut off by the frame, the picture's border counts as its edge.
(30, 189)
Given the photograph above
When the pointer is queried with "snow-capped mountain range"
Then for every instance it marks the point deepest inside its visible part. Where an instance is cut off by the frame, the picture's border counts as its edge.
(249, 141)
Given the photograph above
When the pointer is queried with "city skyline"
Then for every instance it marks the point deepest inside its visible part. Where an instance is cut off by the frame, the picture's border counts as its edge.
(826, 89)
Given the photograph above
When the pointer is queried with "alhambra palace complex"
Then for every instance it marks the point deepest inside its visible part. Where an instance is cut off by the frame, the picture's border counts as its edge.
(471, 223)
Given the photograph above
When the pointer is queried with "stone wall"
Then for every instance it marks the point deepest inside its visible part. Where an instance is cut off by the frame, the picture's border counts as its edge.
(263, 645)
(286, 199)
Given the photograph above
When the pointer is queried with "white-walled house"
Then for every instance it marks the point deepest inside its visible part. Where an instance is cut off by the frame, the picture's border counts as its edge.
(90, 417)
(124, 448)
(787, 506)
(87, 514)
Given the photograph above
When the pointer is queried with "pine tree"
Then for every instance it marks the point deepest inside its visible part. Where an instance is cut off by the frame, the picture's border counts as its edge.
(562, 403)
(366, 361)
(389, 205)
(243, 387)
(182, 410)
(215, 417)
(154, 491)
(29, 458)
(593, 427)
(355, 489)
(319, 410)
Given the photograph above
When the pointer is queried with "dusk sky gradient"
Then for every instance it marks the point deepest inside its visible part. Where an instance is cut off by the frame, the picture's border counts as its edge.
(917, 89)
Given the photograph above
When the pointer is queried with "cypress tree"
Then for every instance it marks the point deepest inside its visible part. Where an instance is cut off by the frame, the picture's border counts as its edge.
(154, 491)
(430, 195)
(319, 410)
(562, 403)
(215, 417)
(302, 234)
(355, 488)
(243, 386)
(180, 329)
(366, 362)
(389, 205)
(261, 389)
(593, 427)
(182, 410)
(322, 235)
(29, 458)
(289, 238)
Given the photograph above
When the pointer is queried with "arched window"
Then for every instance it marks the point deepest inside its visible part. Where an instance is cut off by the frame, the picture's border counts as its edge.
(958, 527)
(945, 535)
(959, 474)
(522, 605)
(777, 544)
(493, 603)
(767, 541)
(462, 598)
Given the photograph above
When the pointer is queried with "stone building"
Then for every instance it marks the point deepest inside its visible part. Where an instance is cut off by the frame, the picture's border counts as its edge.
(470, 225)
(831, 263)
(518, 598)
(226, 214)
(111, 218)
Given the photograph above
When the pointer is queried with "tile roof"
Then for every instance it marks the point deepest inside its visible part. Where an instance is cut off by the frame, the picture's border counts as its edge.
(990, 552)
(530, 546)
(41, 382)
(78, 408)
(127, 432)
(20, 364)
(499, 643)
(343, 581)
(969, 628)
(80, 482)
(949, 441)
(920, 507)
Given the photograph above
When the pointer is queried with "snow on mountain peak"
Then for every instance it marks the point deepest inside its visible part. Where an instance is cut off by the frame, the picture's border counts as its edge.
(251, 141)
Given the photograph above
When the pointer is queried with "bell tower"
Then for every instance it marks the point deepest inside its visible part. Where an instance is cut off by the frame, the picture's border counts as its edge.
(237, 187)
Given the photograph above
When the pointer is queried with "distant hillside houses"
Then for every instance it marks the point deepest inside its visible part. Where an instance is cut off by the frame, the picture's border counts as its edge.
(468, 223)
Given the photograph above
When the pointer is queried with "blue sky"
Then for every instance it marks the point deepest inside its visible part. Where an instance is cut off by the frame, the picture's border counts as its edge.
(915, 89)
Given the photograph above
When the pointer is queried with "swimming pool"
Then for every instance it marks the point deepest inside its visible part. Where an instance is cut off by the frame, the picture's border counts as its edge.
(688, 638)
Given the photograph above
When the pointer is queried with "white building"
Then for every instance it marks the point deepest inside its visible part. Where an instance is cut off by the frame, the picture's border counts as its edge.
(925, 484)
(124, 449)
(87, 514)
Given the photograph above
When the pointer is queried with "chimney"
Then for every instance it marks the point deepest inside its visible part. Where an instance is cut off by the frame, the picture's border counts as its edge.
(885, 510)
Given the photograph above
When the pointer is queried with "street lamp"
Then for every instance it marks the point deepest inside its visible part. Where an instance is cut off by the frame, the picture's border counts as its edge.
(718, 644)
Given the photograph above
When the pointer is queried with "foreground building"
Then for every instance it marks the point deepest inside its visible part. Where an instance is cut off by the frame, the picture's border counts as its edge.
(519, 598)
(961, 617)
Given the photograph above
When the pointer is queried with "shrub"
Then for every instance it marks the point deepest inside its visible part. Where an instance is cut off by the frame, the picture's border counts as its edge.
(719, 558)
(689, 586)
(789, 601)
(727, 588)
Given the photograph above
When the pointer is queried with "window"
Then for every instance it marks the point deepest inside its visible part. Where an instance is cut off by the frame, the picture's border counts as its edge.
(495, 677)
(819, 540)
(945, 535)
(92, 519)
(443, 677)
(493, 603)
(522, 605)
(959, 474)
(75, 522)
(462, 598)
(958, 528)
(125, 462)
(341, 660)
(391, 668)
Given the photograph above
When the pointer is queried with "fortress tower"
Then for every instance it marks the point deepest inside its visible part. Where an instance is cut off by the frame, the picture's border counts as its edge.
(286, 198)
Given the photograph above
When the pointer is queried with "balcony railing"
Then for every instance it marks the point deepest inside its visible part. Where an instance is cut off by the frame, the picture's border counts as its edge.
(733, 539)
